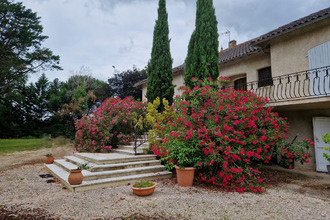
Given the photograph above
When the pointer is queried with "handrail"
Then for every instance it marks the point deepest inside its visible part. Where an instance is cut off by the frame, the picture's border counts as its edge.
(308, 83)
(140, 134)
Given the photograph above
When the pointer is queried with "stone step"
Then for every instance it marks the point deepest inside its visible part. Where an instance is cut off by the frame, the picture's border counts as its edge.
(131, 147)
(128, 151)
(113, 158)
(96, 167)
(63, 175)
(122, 172)
(119, 166)
(92, 175)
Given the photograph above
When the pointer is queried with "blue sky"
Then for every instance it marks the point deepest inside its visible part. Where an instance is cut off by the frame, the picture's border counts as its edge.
(102, 34)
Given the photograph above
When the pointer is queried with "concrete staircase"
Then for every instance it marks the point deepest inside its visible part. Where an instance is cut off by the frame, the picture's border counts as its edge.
(119, 167)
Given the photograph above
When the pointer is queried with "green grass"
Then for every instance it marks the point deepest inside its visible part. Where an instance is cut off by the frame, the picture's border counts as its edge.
(14, 145)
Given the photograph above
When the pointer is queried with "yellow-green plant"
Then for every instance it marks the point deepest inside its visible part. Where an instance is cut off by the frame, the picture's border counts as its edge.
(158, 120)
(326, 139)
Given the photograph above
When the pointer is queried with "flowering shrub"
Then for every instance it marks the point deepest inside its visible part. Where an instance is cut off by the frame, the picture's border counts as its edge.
(223, 133)
(296, 152)
(110, 125)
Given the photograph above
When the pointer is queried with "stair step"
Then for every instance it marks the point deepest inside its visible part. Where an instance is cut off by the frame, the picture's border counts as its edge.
(113, 158)
(67, 166)
(119, 166)
(63, 175)
(78, 161)
(131, 147)
(123, 172)
(128, 151)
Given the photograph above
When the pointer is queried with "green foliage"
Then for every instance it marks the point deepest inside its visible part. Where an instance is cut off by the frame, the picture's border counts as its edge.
(122, 84)
(159, 69)
(83, 166)
(326, 139)
(203, 56)
(48, 154)
(143, 184)
(20, 46)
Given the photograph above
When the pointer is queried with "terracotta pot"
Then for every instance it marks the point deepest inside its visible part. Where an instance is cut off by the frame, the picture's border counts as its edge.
(144, 191)
(49, 160)
(185, 176)
(75, 177)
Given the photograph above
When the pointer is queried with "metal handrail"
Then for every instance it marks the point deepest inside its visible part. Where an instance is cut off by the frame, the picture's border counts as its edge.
(140, 134)
(304, 84)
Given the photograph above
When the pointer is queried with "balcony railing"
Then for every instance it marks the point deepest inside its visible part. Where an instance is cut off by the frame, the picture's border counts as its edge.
(305, 84)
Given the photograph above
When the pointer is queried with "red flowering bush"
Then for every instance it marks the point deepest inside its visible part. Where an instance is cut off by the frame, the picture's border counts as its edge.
(110, 125)
(296, 152)
(223, 133)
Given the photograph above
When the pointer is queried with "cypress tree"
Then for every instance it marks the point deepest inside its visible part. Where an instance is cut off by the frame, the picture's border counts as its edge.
(159, 68)
(203, 56)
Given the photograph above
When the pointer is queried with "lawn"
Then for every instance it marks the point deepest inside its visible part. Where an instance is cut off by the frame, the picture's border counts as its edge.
(13, 145)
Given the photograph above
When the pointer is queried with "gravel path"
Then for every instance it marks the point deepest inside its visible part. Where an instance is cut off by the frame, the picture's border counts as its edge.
(22, 189)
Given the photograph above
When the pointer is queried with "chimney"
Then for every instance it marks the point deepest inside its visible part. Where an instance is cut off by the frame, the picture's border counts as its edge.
(232, 43)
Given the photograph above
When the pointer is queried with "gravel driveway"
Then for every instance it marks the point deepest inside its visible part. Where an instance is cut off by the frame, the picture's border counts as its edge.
(23, 191)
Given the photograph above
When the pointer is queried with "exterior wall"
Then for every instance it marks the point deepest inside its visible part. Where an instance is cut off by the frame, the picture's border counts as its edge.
(248, 66)
(144, 92)
(178, 80)
(301, 122)
(289, 52)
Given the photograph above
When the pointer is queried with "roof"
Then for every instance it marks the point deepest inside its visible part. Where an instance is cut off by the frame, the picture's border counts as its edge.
(238, 51)
(317, 16)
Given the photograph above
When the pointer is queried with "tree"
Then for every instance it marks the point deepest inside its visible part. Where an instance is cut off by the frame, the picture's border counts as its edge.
(20, 45)
(203, 56)
(159, 69)
(122, 84)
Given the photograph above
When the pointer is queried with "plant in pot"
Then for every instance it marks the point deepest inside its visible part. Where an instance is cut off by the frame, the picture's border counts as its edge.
(76, 177)
(143, 188)
(295, 152)
(49, 158)
(326, 139)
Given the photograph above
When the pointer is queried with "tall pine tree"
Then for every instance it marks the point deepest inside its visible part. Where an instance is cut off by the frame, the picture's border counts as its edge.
(159, 69)
(203, 56)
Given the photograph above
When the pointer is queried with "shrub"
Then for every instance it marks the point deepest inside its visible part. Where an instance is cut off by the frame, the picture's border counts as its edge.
(326, 139)
(110, 125)
(296, 152)
(223, 133)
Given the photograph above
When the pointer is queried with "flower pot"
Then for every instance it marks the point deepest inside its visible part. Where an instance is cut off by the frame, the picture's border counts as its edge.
(49, 160)
(75, 177)
(185, 176)
(144, 191)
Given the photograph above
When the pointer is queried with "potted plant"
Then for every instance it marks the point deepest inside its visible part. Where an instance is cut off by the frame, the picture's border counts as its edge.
(295, 152)
(76, 177)
(143, 188)
(326, 139)
(49, 158)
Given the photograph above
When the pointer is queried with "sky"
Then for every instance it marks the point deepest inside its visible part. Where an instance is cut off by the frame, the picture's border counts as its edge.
(103, 37)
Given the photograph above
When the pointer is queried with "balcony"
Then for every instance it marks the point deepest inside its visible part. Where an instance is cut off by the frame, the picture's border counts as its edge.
(309, 89)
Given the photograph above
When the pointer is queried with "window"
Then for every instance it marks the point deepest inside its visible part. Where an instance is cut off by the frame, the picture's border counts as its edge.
(265, 77)
(240, 84)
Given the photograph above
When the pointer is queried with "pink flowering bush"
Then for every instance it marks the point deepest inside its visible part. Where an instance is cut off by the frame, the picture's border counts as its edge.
(223, 133)
(296, 152)
(110, 125)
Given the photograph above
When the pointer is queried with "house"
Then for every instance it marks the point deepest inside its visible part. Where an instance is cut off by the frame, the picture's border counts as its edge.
(291, 66)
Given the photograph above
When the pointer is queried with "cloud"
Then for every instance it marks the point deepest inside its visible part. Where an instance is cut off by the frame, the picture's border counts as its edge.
(100, 34)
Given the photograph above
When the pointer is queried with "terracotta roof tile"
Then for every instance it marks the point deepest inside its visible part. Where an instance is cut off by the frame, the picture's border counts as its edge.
(239, 50)
(320, 15)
